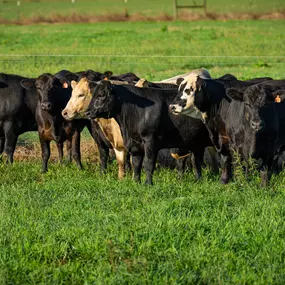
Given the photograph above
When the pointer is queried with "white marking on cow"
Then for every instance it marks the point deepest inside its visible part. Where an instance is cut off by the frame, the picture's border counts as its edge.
(188, 93)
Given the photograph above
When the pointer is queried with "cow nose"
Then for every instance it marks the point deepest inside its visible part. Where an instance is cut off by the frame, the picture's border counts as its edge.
(257, 125)
(64, 113)
(172, 108)
(46, 106)
(88, 113)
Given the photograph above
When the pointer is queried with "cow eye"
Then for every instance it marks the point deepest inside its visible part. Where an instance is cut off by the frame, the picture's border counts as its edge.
(81, 95)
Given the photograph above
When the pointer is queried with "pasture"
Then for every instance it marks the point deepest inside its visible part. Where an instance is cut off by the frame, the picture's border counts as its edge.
(83, 227)
(43, 8)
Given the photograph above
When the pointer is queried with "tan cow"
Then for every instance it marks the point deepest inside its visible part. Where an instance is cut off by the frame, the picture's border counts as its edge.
(76, 108)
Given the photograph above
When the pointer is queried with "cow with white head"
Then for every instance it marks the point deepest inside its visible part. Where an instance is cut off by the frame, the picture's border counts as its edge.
(188, 87)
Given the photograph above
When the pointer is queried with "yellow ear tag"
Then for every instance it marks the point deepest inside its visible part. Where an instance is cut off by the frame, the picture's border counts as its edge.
(277, 99)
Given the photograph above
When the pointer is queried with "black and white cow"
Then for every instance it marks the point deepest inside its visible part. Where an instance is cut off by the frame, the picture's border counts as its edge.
(228, 119)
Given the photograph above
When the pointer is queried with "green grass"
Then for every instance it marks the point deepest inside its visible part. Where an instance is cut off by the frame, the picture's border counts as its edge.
(77, 227)
(137, 47)
(81, 227)
(146, 7)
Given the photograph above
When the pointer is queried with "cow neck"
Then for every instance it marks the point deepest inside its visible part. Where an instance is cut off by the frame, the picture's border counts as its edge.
(216, 95)
(61, 97)
(31, 99)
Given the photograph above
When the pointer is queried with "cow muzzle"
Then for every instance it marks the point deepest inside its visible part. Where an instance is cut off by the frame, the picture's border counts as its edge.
(67, 116)
(46, 106)
(175, 109)
(257, 125)
(90, 114)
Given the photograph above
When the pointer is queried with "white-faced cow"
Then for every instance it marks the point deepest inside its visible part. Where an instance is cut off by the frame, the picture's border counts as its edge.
(227, 120)
(76, 108)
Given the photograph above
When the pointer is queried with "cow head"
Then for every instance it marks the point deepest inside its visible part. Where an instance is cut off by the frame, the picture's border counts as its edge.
(191, 99)
(255, 97)
(279, 95)
(67, 79)
(103, 101)
(45, 85)
(80, 99)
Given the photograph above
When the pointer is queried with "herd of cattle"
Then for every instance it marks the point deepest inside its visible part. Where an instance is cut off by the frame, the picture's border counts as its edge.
(184, 116)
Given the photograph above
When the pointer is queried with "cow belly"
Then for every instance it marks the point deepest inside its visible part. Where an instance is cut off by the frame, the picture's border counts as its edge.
(112, 132)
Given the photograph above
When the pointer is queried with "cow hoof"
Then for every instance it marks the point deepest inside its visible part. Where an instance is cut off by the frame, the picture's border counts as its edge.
(224, 181)
(137, 180)
(44, 171)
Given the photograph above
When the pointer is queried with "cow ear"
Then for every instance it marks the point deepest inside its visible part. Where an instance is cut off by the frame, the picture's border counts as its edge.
(107, 75)
(278, 95)
(234, 94)
(179, 80)
(64, 84)
(3, 83)
(28, 84)
(73, 84)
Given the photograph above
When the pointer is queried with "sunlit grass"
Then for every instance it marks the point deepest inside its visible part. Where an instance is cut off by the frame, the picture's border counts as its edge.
(82, 227)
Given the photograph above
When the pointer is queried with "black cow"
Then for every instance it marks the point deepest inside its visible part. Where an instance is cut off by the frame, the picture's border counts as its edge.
(129, 78)
(17, 112)
(65, 77)
(146, 125)
(52, 99)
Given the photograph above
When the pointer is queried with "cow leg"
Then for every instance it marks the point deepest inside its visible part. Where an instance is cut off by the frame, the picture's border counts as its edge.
(128, 161)
(264, 176)
(68, 150)
(102, 146)
(150, 159)
(2, 144)
(120, 156)
(76, 149)
(103, 152)
(60, 151)
(137, 161)
(266, 170)
(180, 165)
(197, 160)
(226, 162)
(10, 141)
(45, 146)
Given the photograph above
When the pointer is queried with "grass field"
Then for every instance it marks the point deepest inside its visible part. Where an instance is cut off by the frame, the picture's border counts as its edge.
(147, 7)
(81, 227)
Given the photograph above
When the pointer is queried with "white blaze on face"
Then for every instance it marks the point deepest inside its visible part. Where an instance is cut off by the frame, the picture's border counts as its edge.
(188, 91)
(79, 101)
